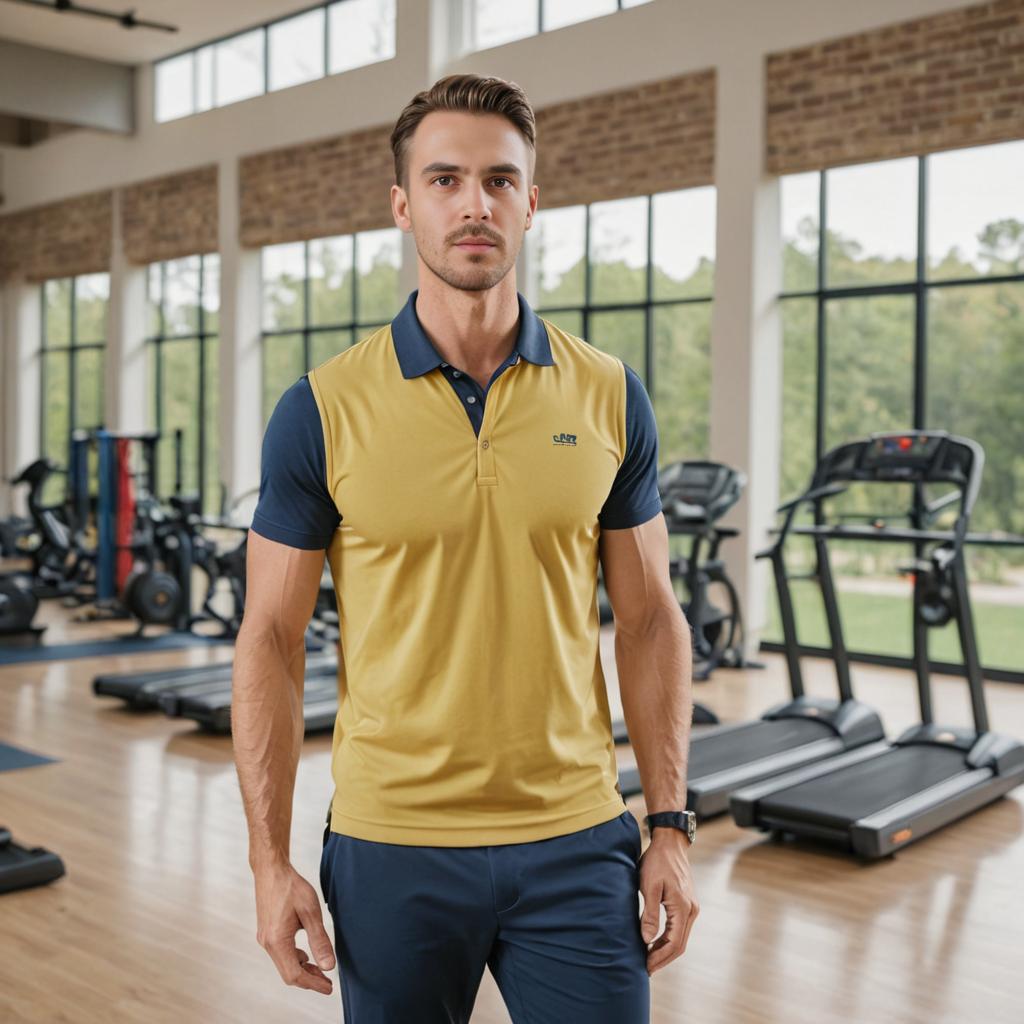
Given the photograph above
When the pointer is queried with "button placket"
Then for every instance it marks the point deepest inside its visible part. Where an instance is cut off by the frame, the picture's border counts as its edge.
(486, 471)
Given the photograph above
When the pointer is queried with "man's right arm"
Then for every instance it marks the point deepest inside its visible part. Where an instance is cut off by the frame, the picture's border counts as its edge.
(267, 726)
(292, 526)
(267, 721)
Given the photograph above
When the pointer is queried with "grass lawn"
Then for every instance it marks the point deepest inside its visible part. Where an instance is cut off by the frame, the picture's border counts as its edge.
(881, 624)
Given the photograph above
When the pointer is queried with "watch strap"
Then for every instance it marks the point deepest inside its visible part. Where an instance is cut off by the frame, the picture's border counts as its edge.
(685, 821)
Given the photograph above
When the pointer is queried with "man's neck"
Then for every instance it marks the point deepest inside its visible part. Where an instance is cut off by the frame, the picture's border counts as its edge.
(474, 331)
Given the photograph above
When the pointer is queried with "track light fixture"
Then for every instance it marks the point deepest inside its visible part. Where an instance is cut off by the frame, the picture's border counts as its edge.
(126, 20)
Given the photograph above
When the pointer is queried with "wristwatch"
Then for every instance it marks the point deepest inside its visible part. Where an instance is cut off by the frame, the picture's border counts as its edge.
(685, 821)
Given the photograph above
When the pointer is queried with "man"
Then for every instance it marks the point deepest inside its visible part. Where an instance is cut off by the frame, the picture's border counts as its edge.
(465, 468)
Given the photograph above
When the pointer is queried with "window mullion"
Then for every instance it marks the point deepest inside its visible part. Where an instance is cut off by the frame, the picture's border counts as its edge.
(648, 312)
(305, 307)
(355, 281)
(327, 41)
(586, 274)
(72, 387)
(821, 340)
(201, 406)
(921, 300)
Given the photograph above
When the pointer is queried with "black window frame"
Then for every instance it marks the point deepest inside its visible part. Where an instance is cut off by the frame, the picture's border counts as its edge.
(541, 27)
(647, 304)
(264, 28)
(919, 288)
(73, 347)
(203, 336)
(307, 329)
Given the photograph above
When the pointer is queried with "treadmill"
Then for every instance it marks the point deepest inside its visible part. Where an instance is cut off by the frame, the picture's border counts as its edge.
(875, 800)
(210, 706)
(143, 690)
(802, 731)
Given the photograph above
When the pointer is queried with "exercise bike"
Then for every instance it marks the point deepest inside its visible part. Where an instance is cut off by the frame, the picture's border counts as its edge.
(62, 566)
(695, 495)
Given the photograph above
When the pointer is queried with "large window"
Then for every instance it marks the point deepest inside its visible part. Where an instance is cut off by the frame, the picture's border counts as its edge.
(903, 307)
(493, 22)
(184, 302)
(322, 296)
(324, 40)
(634, 277)
(74, 331)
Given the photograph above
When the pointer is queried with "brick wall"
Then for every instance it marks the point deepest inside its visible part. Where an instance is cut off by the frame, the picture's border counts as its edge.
(57, 240)
(650, 138)
(170, 217)
(332, 186)
(942, 82)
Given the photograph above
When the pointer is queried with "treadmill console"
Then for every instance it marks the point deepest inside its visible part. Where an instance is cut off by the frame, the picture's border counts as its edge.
(901, 456)
(699, 490)
(912, 456)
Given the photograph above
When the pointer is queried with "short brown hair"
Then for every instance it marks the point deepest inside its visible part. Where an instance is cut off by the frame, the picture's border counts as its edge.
(473, 94)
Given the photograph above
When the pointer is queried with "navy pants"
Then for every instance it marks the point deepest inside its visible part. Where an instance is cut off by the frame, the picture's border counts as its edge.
(556, 921)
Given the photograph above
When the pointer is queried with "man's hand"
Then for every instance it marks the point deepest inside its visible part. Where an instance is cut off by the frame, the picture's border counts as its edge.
(665, 878)
(285, 904)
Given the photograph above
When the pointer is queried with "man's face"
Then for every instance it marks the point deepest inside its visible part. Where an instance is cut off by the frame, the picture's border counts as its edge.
(469, 196)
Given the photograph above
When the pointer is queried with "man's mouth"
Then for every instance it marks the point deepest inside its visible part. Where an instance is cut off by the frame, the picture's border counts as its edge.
(475, 244)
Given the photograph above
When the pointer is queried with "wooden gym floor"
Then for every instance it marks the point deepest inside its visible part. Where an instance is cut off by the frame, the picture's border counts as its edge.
(155, 921)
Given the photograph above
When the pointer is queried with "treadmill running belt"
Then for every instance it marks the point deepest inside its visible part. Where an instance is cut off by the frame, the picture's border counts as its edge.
(841, 797)
(710, 754)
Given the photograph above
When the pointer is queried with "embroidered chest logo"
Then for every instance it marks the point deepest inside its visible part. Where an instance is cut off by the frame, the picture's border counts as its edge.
(564, 439)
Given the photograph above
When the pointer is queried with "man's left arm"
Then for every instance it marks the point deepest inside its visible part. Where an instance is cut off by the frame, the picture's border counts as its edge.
(653, 657)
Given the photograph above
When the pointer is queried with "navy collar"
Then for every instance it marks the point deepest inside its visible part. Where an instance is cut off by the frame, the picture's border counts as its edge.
(417, 355)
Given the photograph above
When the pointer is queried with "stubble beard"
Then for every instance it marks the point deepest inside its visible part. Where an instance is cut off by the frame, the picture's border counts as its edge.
(479, 278)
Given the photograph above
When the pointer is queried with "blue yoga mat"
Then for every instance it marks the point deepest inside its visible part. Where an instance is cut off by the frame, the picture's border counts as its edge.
(12, 758)
(103, 648)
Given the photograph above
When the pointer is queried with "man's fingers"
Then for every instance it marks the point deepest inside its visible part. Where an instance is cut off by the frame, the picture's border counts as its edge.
(694, 911)
(652, 912)
(672, 942)
(293, 965)
(662, 950)
(319, 943)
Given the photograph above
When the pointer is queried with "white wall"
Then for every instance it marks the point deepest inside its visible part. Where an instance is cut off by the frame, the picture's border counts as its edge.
(660, 39)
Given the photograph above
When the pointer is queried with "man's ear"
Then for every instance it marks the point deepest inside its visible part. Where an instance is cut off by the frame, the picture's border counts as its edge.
(400, 208)
(532, 210)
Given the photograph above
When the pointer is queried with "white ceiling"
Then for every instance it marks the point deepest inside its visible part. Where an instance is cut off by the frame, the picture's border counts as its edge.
(198, 21)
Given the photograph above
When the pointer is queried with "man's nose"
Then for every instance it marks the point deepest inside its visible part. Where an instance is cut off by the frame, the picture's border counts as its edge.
(477, 206)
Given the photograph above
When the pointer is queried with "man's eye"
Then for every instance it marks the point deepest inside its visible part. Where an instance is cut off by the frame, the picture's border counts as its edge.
(443, 179)
(506, 180)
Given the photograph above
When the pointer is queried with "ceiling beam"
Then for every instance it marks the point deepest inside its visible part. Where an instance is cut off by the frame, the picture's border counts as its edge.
(49, 86)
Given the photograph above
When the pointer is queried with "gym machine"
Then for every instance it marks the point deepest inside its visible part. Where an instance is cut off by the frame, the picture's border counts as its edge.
(877, 799)
(801, 731)
(22, 867)
(18, 606)
(695, 496)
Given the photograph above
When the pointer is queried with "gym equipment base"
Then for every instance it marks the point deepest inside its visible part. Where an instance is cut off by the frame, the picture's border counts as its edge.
(879, 799)
(22, 867)
(30, 638)
(103, 648)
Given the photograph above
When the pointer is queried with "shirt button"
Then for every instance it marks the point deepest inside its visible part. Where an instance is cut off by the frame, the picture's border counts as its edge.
(486, 444)
(471, 399)
(456, 373)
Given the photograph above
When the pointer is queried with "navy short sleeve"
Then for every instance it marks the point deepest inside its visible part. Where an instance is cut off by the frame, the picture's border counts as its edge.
(295, 507)
(634, 497)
